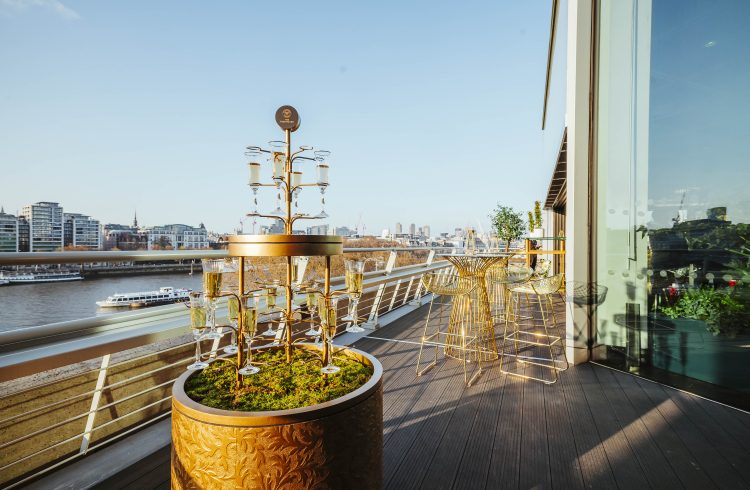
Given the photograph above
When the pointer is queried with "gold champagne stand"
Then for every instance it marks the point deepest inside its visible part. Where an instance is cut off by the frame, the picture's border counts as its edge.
(308, 447)
(474, 268)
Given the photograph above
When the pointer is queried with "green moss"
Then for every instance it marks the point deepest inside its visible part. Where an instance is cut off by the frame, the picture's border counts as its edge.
(278, 385)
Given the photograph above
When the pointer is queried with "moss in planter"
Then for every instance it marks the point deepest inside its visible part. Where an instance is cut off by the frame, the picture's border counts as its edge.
(278, 385)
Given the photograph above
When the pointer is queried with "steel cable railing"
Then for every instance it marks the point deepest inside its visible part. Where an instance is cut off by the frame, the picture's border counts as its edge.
(27, 455)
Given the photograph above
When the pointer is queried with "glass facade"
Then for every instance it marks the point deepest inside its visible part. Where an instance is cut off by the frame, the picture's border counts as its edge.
(672, 203)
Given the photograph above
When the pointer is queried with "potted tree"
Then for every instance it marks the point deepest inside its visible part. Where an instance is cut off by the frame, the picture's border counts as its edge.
(508, 224)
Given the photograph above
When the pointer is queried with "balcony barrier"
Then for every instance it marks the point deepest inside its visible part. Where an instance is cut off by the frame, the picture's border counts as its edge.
(69, 388)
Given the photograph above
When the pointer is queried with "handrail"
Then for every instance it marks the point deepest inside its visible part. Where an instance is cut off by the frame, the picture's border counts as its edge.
(36, 258)
(31, 350)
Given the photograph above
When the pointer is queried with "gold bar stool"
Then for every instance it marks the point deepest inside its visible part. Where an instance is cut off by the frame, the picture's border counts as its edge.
(452, 315)
(497, 279)
(528, 338)
(500, 281)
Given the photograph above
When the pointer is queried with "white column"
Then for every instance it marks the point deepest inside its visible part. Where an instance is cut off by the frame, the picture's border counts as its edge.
(578, 88)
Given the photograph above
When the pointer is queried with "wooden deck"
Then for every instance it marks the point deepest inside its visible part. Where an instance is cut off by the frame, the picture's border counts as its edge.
(594, 428)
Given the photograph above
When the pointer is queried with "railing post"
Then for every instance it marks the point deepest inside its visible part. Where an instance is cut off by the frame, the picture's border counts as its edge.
(372, 320)
(395, 294)
(408, 289)
(86, 436)
(417, 301)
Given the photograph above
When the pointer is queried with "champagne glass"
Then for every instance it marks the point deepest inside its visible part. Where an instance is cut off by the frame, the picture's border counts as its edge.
(312, 304)
(328, 321)
(271, 292)
(296, 189)
(354, 270)
(254, 167)
(322, 174)
(212, 269)
(250, 324)
(197, 327)
(233, 313)
(278, 161)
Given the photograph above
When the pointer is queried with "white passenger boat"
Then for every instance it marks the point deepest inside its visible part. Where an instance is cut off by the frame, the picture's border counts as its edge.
(163, 296)
(34, 277)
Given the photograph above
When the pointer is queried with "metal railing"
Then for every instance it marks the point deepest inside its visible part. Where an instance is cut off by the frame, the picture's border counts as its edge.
(121, 367)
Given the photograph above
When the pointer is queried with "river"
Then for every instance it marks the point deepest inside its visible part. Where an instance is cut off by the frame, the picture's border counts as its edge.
(26, 305)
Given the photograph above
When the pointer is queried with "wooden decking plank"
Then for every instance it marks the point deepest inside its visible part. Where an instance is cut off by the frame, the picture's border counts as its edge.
(728, 446)
(534, 452)
(399, 400)
(472, 472)
(687, 468)
(621, 457)
(717, 468)
(437, 414)
(565, 470)
(505, 461)
(592, 458)
(401, 429)
(656, 467)
(446, 461)
(734, 422)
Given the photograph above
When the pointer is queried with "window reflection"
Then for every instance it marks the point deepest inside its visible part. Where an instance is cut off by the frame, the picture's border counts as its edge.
(673, 201)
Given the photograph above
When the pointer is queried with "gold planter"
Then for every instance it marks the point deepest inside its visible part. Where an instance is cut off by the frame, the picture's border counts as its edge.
(336, 445)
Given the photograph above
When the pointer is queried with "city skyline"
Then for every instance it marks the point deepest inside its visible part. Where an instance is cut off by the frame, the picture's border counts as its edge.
(159, 121)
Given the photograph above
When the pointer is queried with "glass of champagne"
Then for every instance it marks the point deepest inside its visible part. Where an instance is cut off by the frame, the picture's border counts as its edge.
(212, 269)
(271, 292)
(322, 174)
(250, 325)
(197, 327)
(312, 304)
(278, 162)
(233, 313)
(328, 320)
(355, 272)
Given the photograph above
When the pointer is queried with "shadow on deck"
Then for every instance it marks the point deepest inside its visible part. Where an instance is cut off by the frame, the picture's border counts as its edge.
(594, 428)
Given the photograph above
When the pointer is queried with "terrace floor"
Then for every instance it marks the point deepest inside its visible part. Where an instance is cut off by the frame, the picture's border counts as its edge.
(594, 428)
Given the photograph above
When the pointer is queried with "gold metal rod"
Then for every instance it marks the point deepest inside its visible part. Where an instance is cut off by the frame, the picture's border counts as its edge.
(240, 321)
(289, 312)
(326, 303)
(288, 140)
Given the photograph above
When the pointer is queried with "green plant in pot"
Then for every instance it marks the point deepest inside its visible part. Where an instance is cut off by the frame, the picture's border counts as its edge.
(720, 310)
(508, 224)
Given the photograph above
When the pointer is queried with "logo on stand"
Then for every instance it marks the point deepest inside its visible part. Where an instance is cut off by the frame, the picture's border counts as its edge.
(287, 117)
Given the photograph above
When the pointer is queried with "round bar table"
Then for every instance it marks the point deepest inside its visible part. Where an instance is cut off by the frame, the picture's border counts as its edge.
(480, 323)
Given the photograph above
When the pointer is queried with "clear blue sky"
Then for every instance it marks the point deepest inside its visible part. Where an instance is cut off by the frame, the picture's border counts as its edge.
(431, 110)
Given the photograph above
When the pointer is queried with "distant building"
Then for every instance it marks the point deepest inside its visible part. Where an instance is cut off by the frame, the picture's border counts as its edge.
(176, 236)
(123, 237)
(275, 229)
(412, 229)
(399, 229)
(80, 230)
(343, 231)
(8, 232)
(426, 231)
(318, 230)
(45, 226)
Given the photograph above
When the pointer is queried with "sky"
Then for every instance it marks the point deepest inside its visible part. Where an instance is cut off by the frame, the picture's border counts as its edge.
(431, 110)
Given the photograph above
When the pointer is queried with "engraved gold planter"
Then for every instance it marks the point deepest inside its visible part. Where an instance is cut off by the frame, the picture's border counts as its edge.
(333, 445)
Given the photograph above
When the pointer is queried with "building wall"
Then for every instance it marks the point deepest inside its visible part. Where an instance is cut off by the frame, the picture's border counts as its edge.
(45, 226)
(8, 233)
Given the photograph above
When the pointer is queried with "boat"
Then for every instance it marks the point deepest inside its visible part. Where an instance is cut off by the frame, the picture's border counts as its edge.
(34, 277)
(3, 282)
(163, 296)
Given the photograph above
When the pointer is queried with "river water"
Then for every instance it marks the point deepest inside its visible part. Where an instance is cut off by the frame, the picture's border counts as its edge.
(27, 305)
